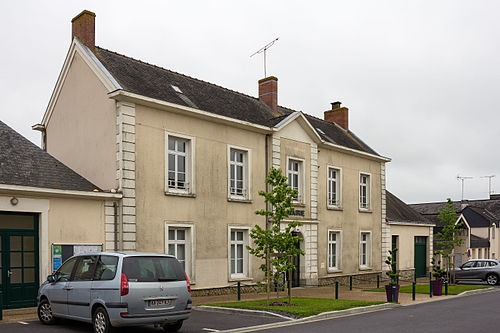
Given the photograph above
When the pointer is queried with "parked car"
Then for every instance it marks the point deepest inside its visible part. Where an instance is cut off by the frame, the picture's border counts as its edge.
(117, 289)
(480, 270)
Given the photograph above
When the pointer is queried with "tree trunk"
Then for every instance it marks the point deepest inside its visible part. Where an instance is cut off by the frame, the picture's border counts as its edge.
(268, 263)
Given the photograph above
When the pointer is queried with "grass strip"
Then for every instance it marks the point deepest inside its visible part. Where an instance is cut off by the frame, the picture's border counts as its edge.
(304, 307)
(424, 289)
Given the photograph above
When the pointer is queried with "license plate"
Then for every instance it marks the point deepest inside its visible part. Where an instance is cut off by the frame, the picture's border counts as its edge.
(158, 303)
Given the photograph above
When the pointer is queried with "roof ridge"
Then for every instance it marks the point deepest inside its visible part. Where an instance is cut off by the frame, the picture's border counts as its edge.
(187, 76)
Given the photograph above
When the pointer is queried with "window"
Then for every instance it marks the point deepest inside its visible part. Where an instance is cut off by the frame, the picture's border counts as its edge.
(334, 250)
(64, 272)
(106, 268)
(238, 173)
(179, 173)
(152, 269)
(238, 253)
(178, 242)
(334, 187)
(365, 250)
(85, 268)
(364, 191)
(295, 178)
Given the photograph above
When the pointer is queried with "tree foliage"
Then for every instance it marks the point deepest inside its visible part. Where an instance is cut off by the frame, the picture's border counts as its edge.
(274, 244)
(392, 263)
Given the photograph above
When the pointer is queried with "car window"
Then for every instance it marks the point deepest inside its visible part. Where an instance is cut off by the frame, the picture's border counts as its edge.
(85, 268)
(149, 269)
(492, 263)
(64, 272)
(469, 264)
(106, 268)
(482, 264)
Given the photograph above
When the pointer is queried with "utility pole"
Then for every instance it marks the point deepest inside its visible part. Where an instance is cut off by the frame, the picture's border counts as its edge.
(264, 49)
(489, 183)
(462, 179)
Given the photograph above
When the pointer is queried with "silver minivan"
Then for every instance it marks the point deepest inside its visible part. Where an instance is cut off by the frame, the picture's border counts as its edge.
(112, 289)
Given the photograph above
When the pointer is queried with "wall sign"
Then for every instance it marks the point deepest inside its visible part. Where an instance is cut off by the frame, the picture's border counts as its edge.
(298, 213)
(62, 252)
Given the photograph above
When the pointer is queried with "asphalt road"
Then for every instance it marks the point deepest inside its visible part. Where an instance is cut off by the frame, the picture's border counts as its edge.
(200, 322)
(475, 313)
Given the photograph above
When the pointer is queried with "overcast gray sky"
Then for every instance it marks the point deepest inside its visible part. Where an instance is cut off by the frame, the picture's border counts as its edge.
(420, 78)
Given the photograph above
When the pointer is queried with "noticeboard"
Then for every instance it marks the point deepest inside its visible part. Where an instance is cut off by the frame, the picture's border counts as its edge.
(62, 252)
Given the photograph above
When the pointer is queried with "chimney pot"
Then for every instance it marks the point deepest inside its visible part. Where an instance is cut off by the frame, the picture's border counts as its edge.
(83, 27)
(335, 105)
(268, 92)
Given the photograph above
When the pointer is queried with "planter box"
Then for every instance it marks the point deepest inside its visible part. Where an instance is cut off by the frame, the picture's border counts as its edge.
(388, 292)
(437, 287)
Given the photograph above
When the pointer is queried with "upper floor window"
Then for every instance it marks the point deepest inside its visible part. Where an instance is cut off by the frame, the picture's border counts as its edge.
(295, 178)
(239, 173)
(364, 191)
(179, 164)
(334, 187)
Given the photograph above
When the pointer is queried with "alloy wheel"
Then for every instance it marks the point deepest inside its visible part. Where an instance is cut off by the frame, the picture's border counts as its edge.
(46, 312)
(100, 322)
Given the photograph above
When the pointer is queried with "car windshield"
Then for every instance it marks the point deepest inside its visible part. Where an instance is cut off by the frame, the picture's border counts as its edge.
(152, 269)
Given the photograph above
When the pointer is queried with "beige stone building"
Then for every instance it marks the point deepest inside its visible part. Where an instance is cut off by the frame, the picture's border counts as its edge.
(47, 213)
(190, 157)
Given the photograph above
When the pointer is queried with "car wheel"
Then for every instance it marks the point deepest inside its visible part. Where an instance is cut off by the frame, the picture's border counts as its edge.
(173, 327)
(492, 279)
(100, 321)
(45, 314)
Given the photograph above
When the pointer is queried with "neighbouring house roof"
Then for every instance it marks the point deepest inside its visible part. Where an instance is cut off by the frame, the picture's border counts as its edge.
(155, 82)
(23, 163)
(398, 211)
(476, 242)
(477, 217)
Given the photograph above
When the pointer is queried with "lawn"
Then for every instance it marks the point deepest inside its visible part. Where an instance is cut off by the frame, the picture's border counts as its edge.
(304, 307)
(424, 289)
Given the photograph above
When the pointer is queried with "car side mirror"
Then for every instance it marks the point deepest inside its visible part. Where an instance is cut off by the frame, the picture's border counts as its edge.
(51, 278)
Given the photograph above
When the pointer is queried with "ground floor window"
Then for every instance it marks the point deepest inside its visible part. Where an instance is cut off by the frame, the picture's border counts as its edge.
(238, 253)
(179, 244)
(365, 249)
(334, 250)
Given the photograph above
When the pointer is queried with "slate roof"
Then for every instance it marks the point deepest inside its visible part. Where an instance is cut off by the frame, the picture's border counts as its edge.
(24, 163)
(155, 82)
(478, 217)
(476, 242)
(398, 211)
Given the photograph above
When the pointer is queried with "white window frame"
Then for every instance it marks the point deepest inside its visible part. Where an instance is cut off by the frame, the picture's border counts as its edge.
(368, 243)
(247, 173)
(338, 203)
(338, 246)
(190, 167)
(368, 185)
(190, 245)
(247, 269)
(301, 196)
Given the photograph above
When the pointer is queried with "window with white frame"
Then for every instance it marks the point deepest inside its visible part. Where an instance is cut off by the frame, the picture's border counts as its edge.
(178, 244)
(334, 250)
(295, 177)
(364, 191)
(365, 249)
(334, 194)
(238, 253)
(178, 164)
(239, 173)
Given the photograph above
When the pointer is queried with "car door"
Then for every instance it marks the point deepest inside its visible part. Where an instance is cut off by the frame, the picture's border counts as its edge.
(57, 293)
(79, 287)
(479, 270)
(464, 272)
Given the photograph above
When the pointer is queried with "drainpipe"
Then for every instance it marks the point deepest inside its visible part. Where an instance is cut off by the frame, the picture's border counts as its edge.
(267, 172)
(115, 208)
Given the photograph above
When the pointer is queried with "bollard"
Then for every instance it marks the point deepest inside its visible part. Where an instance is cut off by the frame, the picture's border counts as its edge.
(378, 281)
(446, 287)
(336, 289)
(430, 285)
(413, 291)
(393, 287)
(239, 291)
(350, 282)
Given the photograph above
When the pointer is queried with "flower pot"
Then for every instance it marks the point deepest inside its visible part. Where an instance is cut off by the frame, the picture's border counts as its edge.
(388, 292)
(437, 287)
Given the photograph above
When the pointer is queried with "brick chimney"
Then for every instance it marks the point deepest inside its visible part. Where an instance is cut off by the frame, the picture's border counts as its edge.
(83, 27)
(339, 115)
(268, 92)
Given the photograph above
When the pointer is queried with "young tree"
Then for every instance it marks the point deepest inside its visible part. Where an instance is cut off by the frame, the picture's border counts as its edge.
(449, 235)
(273, 244)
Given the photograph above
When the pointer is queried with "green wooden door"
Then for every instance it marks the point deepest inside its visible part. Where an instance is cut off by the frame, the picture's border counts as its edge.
(19, 260)
(420, 252)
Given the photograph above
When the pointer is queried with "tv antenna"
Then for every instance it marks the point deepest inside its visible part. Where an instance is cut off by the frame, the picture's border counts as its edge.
(462, 179)
(489, 183)
(263, 50)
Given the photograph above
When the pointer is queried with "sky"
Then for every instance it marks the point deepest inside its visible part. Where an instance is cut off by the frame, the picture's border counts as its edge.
(420, 78)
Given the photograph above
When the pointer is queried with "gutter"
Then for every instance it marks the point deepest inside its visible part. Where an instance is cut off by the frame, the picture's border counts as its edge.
(16, 189)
